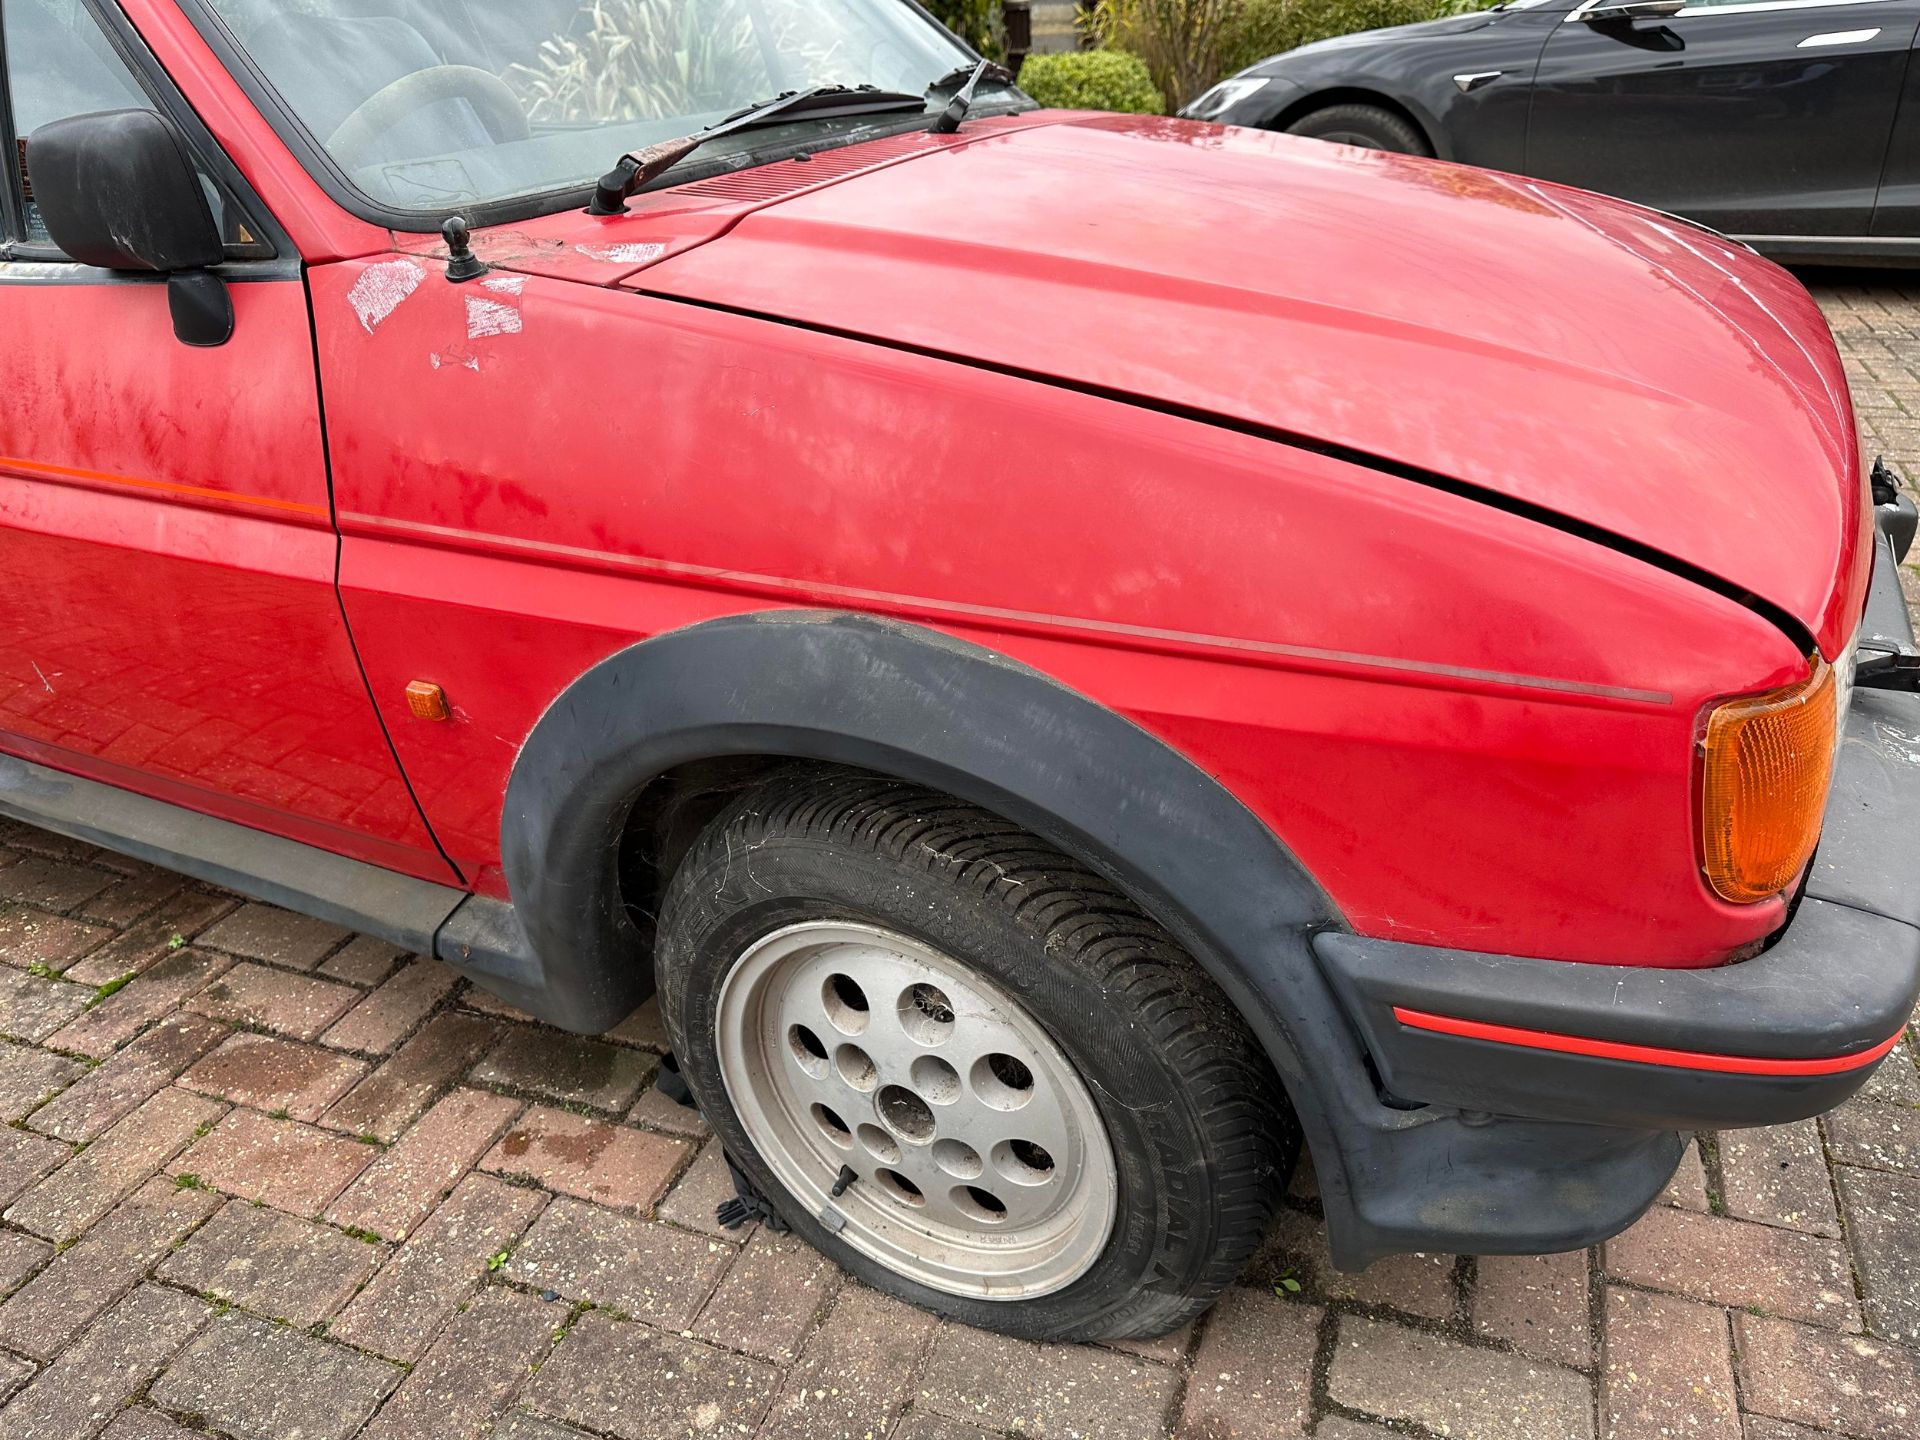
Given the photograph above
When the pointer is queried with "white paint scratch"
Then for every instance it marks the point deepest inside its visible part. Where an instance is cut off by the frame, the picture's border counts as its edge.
(490, 317)
(1908, 746)
(43, 676)
(505, 284)
(380, 289)
(628, 254)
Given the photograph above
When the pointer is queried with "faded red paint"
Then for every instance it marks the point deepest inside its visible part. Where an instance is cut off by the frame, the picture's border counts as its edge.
(1472, 728)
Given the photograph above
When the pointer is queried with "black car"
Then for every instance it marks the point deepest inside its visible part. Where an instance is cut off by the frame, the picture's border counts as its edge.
(1791, 124)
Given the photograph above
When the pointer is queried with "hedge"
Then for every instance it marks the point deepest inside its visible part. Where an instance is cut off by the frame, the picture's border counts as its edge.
(1092, 80)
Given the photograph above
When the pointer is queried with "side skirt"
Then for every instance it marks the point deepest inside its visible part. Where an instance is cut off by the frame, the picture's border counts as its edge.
(1901, 250)
(398, 908)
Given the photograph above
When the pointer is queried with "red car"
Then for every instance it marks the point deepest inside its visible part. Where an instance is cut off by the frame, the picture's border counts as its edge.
(1076, 651)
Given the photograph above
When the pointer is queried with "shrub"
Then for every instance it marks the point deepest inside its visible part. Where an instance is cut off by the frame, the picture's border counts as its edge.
(1180, 40)
(1260, 28)
(974, 21)
(1092, 80)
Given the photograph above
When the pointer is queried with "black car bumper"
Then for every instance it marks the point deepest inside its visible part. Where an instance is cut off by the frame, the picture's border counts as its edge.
(1790, 1033)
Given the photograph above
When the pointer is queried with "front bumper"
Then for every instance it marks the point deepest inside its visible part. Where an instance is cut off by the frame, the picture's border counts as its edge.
(1787, 1034)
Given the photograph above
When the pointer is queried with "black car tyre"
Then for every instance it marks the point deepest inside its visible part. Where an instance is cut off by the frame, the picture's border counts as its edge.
(1043, 1117)
(1367, 126)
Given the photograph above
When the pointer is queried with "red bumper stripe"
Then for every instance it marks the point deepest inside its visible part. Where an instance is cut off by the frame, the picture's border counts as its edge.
(1643, 1054)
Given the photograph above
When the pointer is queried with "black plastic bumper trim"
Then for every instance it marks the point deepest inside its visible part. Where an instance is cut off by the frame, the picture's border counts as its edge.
(1839, 980)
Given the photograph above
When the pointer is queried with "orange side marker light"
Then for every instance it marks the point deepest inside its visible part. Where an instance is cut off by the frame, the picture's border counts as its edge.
(426, 700)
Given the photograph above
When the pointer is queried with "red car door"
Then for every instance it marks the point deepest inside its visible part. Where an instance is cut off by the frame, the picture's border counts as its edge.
(168, 616)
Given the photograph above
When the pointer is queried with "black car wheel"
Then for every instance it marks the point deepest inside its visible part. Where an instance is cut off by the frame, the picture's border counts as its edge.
(1367, 126)
(965, 1067)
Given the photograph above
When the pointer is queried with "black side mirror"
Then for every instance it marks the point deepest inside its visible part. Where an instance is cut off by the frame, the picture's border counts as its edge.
(117, 189)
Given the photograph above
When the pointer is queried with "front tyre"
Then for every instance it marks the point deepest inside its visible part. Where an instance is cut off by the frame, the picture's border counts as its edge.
(1045, 1119)
(1368, 126)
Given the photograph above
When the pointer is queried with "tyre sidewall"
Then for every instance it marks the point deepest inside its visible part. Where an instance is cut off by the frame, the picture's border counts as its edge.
(1368, 125)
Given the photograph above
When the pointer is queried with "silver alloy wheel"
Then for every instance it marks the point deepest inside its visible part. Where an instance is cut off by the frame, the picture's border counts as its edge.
(983, 1168)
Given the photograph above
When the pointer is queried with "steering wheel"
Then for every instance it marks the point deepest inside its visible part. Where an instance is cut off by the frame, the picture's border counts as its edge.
(497, 106)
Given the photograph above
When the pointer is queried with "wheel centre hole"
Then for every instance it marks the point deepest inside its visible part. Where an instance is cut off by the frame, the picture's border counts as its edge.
(906, 1114)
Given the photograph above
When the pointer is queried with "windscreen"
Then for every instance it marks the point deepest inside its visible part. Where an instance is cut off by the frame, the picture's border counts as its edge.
(432, 104)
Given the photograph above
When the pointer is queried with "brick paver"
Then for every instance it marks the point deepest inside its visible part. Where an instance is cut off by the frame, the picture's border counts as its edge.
(77, 1395)
(260, 1178)
(20, 1256)
(856, 1371)
(33, 937)
(398, 1190)
(567, 1068)
(24, 1159)
(272, 1074)
(258, 1381)
(770, 1298)
(32, 1006)
(107, 1262)
(386, 1102)
(87, 1186)
(264, 932)
(587, 1253)
(1738, 1263)
(150, 996)
(1539, 1304)
(29, 1076)
(1668, 1369)
(588, 1158)
(1253, 1373)
(381, 1021)
(637, 1383)
(297, 1005)
(437, 1269)
(487, 1353)
(1436, 1381)
(1883, 1214)
(128, 1078)
(273, 1264)
(275, 1161)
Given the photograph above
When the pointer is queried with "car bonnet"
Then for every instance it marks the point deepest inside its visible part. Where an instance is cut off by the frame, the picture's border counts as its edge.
(1560, 352)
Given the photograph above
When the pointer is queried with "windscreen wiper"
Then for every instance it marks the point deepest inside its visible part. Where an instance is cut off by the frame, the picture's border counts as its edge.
(962, 100)
(822, 102)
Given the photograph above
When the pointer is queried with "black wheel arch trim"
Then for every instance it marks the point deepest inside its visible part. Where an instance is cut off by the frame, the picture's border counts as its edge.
(929, 708)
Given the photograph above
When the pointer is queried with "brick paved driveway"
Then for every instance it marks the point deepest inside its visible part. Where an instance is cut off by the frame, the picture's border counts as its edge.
(265, 1179)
